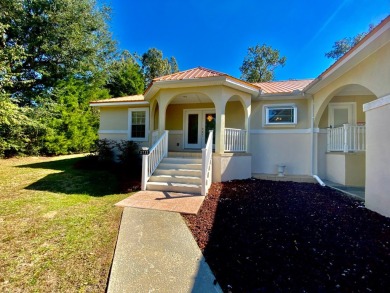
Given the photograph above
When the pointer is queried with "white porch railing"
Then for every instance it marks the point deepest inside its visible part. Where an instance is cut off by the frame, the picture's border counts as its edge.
(207, 155)
(157, 152)
(348, 138)
(235, 140)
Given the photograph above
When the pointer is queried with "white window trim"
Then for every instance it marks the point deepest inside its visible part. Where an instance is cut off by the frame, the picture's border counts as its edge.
(279, 106)
(130, 112)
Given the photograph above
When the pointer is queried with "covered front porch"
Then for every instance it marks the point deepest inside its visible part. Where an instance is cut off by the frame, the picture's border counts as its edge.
(209, 116)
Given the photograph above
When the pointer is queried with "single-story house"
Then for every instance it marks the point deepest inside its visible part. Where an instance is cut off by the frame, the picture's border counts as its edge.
(201, 125)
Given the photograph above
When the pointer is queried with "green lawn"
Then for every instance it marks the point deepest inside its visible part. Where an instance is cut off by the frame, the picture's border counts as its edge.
(58, 225)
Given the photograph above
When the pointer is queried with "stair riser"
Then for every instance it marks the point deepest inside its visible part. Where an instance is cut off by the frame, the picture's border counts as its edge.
(181, 161)
(180, 166)
(192, 173)
(174, 179)
(150, 186)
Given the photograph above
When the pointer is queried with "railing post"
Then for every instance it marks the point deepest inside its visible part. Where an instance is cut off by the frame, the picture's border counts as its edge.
(346, 147)
(204, 172)
(166, 143)
(144, 178)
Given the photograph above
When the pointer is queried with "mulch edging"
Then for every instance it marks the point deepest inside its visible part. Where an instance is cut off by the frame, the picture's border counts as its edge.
(268, 236)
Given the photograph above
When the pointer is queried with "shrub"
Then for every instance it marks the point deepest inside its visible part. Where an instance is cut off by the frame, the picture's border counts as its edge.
(129, 157)
(105, 151)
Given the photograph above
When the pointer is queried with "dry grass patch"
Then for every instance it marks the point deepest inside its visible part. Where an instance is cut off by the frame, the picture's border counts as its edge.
(58, 225)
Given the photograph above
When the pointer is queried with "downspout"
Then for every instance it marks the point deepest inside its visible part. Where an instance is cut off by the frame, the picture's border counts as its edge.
(318, 179)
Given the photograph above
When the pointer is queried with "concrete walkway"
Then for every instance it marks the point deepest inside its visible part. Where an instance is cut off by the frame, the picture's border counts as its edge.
(356, 192)
(156, 252)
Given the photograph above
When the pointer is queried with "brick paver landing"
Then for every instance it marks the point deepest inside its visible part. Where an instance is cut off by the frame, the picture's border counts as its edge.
(166, 201)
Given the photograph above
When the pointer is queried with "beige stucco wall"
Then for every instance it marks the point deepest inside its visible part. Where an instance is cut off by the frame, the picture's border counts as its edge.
(114, 123)
(378, 158)
(359, 100)
(290, 149)
(113, 118)
(231, 166)
(258, 120)
(372, 73)
(346, 168)
(235, 115)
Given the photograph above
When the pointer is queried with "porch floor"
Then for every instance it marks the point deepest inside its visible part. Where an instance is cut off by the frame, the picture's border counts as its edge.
(357, 192)
(165, 201)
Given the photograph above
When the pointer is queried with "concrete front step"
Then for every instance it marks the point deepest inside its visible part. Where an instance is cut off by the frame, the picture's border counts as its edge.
(177, 160)
(175, 187)
(185, 154)
(178, 174)
(179, 178)
(168, 166)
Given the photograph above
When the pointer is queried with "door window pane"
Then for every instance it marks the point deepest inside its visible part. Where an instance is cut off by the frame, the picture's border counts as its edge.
(340, 117)
(209, 125)
(193, 128)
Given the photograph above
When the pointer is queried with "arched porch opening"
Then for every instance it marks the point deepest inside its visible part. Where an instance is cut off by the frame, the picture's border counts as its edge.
(189, 116)
(341, 140)
(154, 117)
(236, 125)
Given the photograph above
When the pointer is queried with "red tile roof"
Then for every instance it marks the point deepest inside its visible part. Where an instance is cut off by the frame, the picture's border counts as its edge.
(199, 72)
(282, 87)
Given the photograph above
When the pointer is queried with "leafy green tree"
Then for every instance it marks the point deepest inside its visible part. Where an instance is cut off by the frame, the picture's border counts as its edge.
(43, 41)
(125, 76)
(260, 63)
(73, 125)
(20, 132)
(155, 65)
(342, 46)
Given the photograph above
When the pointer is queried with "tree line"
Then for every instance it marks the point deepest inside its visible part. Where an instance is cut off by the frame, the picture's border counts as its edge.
(55, 57)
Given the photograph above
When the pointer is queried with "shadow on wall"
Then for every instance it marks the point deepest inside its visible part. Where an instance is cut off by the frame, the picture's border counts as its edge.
(70, 180)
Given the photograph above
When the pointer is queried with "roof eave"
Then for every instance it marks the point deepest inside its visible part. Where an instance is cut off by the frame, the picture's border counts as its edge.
(296, 95)
(118, 104)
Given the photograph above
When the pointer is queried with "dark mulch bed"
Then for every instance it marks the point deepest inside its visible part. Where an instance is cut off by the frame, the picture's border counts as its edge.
(266, 236)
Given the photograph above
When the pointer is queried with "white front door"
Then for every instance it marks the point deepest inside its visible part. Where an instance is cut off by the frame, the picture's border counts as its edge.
(341, 113)
(197, 124)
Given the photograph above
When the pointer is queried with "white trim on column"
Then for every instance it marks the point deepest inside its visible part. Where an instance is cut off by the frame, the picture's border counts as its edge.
(377, 103)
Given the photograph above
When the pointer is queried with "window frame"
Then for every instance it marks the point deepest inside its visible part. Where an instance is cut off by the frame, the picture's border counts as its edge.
(269, 107)
(129, 124)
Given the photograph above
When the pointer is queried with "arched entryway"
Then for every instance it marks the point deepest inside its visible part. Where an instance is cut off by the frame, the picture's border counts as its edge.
(341, 143)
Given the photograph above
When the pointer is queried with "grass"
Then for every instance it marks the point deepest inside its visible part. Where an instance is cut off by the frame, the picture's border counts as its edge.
(58, 225)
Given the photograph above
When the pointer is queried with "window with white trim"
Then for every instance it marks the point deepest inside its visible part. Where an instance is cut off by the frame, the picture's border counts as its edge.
(138, 124)
(280, 114)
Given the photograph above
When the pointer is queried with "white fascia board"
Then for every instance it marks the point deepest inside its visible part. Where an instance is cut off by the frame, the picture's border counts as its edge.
(286, 96)
(242, 87)
(118, 104)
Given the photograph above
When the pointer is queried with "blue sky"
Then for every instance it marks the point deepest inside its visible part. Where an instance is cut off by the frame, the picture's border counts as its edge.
(216, 34)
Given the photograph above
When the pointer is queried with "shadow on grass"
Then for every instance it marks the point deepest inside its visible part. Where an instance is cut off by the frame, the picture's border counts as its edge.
(91, 181)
